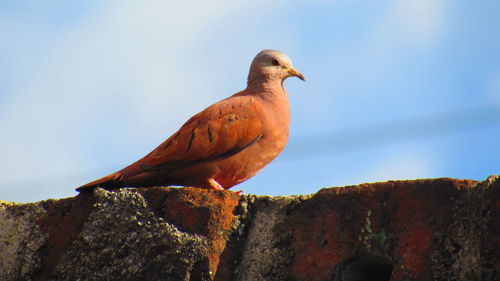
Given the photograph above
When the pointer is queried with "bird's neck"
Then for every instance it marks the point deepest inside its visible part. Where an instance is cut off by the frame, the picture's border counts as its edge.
(272, 95)
(272, 92)
(265, 84)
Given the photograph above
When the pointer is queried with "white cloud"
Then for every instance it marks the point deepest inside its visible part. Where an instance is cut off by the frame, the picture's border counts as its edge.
(421, 20)
(130, 73)
(124, 75)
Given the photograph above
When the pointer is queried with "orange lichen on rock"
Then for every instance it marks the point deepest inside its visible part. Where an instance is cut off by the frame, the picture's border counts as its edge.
(435, 229)
(197, 211)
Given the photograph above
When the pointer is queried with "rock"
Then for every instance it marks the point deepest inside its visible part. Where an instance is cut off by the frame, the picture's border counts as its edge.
(395, 230)
(436, 229)
(21, 239)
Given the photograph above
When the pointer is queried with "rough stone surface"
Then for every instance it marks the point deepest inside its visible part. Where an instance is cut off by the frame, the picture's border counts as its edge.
(376, 231)
(468, 245)
(124, 240)
(20, 239)
(197, 211)
(265, 256)
(436, 229)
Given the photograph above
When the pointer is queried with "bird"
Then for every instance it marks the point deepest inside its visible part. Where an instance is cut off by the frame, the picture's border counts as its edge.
(226, 143)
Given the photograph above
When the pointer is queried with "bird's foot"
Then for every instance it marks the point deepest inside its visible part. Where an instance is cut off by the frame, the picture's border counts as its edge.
(215, 185)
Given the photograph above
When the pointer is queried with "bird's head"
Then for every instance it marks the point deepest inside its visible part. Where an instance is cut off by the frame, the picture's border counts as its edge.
(274, 65)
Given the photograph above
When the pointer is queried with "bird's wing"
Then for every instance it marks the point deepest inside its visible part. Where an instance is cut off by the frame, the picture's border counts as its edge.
(219, 131)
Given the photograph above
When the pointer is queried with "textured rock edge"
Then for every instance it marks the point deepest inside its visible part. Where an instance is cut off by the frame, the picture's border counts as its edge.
(262, 242)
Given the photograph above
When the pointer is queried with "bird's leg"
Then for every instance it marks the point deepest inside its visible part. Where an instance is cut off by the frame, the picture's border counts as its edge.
(215, 185)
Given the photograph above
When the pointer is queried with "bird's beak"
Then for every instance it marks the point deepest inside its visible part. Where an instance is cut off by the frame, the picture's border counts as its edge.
(294, 72)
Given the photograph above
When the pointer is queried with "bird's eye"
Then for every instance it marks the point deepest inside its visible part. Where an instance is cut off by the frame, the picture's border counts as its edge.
(275, 62)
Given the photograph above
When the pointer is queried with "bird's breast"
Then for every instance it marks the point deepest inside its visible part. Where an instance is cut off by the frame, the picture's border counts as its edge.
(252, 159)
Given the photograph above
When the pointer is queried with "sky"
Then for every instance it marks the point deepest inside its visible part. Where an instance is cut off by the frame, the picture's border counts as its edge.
(395, 89)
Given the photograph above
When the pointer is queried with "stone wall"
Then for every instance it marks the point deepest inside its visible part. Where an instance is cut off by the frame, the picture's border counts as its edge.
(435, 229)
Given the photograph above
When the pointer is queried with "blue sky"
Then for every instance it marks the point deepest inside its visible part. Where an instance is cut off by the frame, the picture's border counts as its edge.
(395, 89)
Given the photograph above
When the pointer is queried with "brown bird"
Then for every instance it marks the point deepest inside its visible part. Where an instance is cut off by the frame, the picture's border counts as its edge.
(225, 144)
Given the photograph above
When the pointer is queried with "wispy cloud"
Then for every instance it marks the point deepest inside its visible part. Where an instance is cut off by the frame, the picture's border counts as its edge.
(121, 65)
(420, 20)
(83, 93)
(127, 73)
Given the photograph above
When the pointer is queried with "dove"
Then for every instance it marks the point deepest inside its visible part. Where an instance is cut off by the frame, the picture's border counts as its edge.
(226, 143)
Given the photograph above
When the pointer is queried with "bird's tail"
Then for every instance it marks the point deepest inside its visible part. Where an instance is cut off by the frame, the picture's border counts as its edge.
(110, 181)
